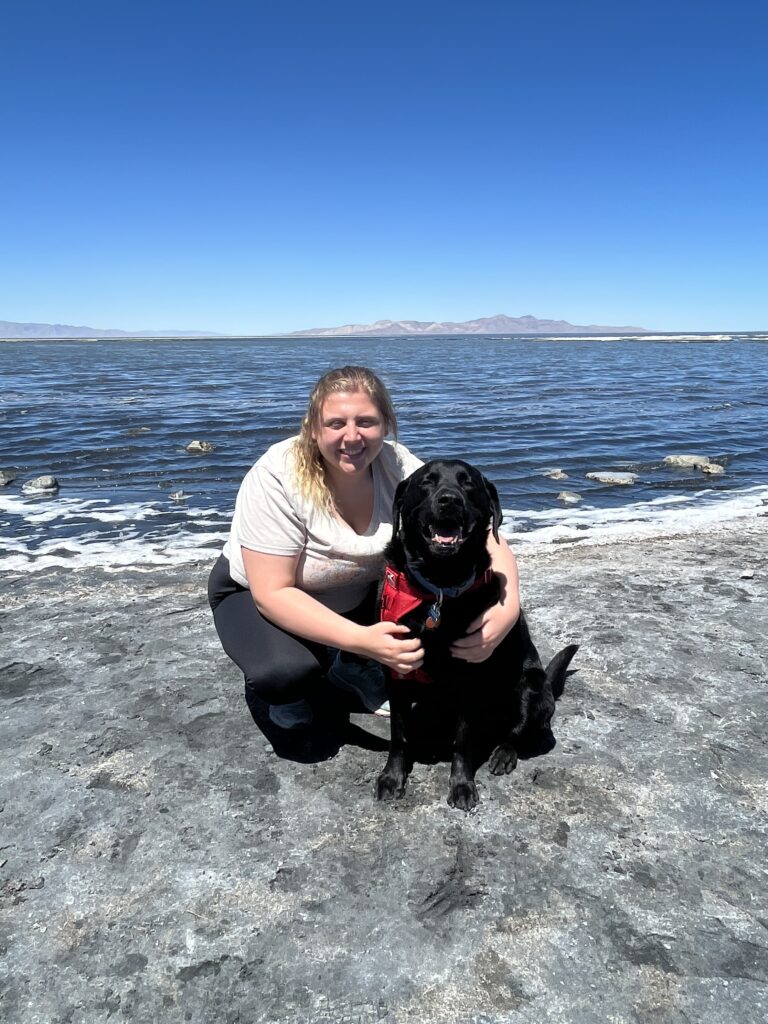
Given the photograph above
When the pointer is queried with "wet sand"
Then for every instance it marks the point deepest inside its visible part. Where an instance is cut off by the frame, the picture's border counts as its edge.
(160, 862)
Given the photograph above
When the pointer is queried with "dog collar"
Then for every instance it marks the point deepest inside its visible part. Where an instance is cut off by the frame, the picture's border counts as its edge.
(399, 585)
(442, 592)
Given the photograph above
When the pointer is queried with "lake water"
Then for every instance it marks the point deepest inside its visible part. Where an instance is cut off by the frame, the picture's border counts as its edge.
(111, 421)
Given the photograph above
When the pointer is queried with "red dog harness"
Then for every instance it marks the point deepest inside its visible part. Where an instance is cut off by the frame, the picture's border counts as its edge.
(400, 596)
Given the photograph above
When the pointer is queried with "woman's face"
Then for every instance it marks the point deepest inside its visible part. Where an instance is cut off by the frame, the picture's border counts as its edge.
(350, 433)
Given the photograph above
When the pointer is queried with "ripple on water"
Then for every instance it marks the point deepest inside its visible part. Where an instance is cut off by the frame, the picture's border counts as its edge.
(75, 410)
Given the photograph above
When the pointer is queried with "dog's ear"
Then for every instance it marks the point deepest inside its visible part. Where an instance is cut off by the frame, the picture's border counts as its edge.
(493, 500)
(397, 507)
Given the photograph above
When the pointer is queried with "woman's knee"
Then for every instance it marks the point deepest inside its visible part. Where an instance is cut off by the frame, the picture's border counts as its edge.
(281, 684)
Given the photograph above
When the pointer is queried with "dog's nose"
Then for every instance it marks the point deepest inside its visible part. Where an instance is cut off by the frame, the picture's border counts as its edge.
(446, 499)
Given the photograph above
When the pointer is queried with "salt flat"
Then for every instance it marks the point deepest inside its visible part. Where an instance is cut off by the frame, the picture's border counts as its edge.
(159, 862)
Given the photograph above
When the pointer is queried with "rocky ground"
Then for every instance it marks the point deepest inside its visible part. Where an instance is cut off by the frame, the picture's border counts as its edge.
(160, 862)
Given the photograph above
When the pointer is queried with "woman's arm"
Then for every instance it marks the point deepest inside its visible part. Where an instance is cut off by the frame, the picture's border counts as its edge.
(272, 582)
(488, 630)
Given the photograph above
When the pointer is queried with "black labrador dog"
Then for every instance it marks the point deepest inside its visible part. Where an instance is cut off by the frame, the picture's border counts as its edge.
(437, 581)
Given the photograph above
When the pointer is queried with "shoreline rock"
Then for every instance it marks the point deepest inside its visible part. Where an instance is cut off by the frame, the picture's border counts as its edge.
(691, 461)
(618, 479)
(40, 485)
(702, 462)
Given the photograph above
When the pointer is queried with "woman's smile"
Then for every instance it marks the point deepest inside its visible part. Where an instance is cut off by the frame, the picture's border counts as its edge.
(352, 453)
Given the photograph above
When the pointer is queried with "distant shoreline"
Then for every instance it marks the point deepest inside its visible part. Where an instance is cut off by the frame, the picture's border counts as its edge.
(681, 336)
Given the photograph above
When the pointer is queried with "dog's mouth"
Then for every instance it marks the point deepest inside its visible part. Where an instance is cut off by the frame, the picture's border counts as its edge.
(445, 537)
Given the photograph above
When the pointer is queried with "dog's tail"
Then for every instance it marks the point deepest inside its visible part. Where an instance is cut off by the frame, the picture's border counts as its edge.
(557, 668)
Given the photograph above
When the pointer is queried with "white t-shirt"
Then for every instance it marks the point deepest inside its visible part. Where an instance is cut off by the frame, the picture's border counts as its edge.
(336, 565)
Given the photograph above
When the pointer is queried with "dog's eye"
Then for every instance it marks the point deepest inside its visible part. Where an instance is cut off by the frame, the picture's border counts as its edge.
(464, 480)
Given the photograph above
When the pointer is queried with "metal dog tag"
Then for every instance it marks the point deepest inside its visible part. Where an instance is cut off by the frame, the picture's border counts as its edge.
(433, 617)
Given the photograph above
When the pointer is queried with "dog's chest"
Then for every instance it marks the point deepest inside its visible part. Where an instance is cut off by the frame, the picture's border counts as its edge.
(439, 623)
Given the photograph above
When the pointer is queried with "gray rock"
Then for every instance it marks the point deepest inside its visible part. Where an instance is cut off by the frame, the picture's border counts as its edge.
(713, 468)
(163, 866)
(569, 497)
(178, 496)
(200, 446)
(691, 461)
(40, 485)
(619, 479)
(556, 474)
(7, 476)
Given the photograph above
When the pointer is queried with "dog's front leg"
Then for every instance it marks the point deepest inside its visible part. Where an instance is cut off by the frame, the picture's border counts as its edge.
(390, 785)
(462, 791)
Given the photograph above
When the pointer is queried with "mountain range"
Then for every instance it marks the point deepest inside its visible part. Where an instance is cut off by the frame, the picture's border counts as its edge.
(499, 324)
(9, 329)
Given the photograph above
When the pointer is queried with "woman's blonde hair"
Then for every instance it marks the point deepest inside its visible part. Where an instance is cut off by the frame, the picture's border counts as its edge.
(310, 469)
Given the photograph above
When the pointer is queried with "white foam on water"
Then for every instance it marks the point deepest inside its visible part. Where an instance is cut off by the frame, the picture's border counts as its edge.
(138, 553)
(100, 510)
(167, 544)
(170, 543)
(670, 515)
(40, 510)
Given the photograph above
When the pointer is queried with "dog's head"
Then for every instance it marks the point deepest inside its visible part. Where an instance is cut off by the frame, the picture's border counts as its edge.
(442, 512)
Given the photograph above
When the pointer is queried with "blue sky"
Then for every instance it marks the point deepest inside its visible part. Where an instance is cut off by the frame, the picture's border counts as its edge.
(256, 167)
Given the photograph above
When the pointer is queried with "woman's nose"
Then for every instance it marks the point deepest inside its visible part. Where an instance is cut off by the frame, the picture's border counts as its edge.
(351, 432)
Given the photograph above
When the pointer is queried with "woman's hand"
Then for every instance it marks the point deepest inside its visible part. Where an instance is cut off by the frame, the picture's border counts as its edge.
(387, 643)
(485, 634)
(487, 631)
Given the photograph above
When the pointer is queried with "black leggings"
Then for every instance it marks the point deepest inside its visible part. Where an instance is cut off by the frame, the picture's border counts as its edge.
(278, 666)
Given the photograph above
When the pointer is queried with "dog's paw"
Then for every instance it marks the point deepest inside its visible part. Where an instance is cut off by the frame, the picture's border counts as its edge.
(503, 760)
(463, 795)
(390, 787)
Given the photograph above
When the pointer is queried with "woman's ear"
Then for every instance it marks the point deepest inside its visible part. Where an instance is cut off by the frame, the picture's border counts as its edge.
(310, 428)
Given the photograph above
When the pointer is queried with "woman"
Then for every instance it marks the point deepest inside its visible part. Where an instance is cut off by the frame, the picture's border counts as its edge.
(298, 573)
